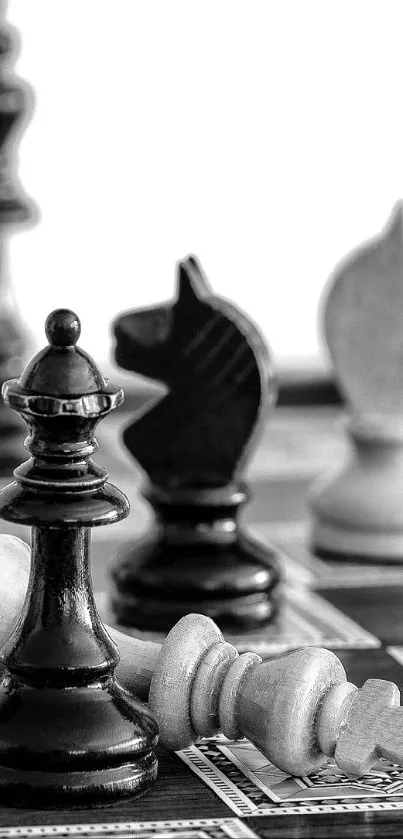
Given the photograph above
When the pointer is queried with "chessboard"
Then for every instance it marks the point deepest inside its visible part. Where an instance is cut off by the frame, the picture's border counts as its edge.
(220, 789)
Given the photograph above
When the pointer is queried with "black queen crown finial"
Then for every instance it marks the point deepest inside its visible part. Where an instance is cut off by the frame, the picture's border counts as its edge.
(67, 728)
(63, 328)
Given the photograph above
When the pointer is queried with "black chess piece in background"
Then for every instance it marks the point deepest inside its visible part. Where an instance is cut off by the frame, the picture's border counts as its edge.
(68, 731)
(15, 210)
(193, 446)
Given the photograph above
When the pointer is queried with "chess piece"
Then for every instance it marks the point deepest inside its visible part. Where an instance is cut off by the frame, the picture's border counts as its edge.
(193, 446)
(15, 210)
(298, 709)
(358, 511)
(68, 730)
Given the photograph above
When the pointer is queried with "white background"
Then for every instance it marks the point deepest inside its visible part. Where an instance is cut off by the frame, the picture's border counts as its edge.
(263, 135)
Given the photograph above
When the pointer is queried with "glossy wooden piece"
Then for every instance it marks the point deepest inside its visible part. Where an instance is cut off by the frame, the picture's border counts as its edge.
(193, 445)
(357, 510)
(298, 709)
(67, 728)
(15, 210)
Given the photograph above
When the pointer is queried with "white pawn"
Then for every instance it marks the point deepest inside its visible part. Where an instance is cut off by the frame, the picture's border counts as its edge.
(358, 510)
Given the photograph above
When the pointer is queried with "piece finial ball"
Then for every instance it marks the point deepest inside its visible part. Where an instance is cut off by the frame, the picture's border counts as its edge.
(62, 328)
